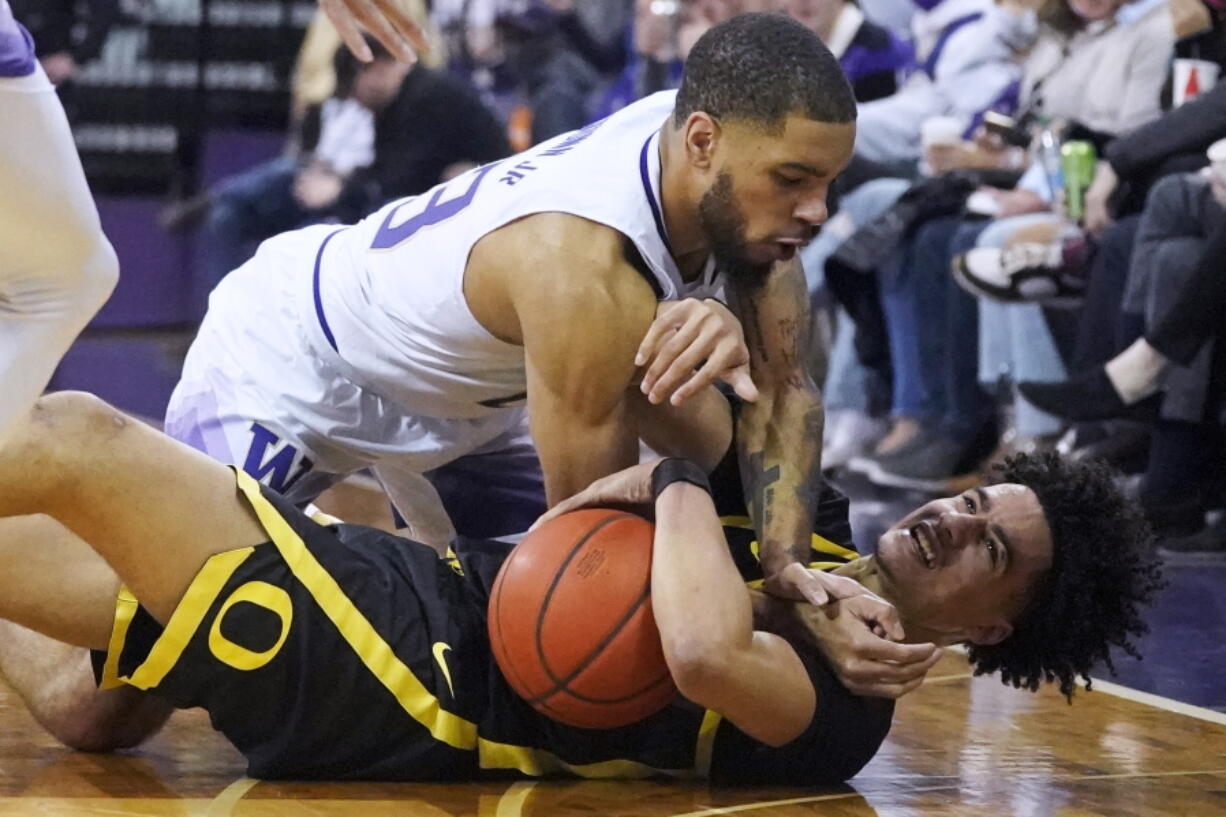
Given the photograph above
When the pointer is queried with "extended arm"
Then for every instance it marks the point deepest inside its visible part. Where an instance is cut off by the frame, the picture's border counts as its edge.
(1192, 126)
(705, 617)
(780, 435)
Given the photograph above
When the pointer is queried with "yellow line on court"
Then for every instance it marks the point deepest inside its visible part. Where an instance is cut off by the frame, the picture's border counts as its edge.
(511, 804)
(794, 801)
(223, 804)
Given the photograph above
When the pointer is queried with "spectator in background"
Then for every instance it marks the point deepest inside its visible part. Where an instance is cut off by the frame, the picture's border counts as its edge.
(542, 63)
(67, 33)
(872, 57)
(391, 130)
(314, 78)
(964, 65)
(1089, 68)
(663, 33)
(1146, 276)
(564, 55)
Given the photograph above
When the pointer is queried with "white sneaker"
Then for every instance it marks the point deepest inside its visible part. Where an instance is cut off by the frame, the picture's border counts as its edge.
(849, 433)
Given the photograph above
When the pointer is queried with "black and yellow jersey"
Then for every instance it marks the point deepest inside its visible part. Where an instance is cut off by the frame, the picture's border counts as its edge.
(343, 652)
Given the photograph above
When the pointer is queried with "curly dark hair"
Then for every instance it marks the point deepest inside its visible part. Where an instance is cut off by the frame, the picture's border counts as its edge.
(1102, 574)
(762, 68)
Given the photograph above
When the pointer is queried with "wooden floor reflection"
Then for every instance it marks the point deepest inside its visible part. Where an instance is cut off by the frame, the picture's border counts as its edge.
(960, 746)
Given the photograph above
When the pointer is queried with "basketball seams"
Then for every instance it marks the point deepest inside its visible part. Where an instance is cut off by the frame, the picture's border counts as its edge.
(597, 649)
(505, 664)
(550, 601)
(559, 683)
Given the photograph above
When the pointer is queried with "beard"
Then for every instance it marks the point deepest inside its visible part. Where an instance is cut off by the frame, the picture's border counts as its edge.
(724, 225)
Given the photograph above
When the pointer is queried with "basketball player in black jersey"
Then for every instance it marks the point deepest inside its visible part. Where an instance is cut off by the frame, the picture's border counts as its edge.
(341, 652)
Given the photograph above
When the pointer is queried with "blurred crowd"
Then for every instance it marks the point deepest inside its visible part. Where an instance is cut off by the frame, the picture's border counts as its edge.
(1023, 255)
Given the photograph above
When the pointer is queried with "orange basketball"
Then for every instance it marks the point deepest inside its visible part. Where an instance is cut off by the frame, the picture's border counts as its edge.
(571, 625)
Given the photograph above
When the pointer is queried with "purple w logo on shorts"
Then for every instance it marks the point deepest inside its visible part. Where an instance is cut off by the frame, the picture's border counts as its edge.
(278, 468)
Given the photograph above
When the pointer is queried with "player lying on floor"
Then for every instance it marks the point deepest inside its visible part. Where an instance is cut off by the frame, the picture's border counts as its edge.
(314, 647)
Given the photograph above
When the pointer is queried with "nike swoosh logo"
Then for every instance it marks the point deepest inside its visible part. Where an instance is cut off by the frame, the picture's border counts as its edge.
(441, 647)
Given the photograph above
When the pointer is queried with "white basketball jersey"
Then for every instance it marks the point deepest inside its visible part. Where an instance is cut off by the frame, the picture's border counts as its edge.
(387, 294)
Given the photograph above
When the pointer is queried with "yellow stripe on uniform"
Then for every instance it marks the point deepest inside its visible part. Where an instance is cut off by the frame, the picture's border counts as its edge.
(413, 696)
(125, 608)
(823, 545)
(356, 629)
(706, 743)
(186, 618)
(819, 543)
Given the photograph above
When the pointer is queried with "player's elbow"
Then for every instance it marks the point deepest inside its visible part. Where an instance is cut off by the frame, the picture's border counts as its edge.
(700, 668)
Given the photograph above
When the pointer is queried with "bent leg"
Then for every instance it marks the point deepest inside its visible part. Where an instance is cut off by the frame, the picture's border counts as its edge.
(56, 682)
(54, 583)
(153, 508)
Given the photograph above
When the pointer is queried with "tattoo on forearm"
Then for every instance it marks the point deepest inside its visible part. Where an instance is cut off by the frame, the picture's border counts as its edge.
(759, 485)
(753, 330)
(790, 330)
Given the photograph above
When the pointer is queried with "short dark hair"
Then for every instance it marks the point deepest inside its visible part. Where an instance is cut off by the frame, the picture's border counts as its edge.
(348, 66)
(1102, 574)
(762, 68)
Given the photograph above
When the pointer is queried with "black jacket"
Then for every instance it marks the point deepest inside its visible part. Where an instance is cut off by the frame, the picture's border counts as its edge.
(435, 121)
(1177, 140)
(52, 22)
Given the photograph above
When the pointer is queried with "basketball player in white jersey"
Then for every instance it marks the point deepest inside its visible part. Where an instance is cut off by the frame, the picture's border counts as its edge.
(420, 334)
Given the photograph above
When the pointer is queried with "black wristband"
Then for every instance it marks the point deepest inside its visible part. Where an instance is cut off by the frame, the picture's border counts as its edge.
(677, 470)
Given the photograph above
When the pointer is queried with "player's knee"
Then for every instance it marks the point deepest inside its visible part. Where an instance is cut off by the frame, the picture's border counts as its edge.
(113, 720)
(74, 423)
(99, 275)
(82, 266)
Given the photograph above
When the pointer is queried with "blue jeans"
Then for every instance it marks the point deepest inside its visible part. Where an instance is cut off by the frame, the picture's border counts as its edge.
(934, 330)
(247, 208)
(847, 380)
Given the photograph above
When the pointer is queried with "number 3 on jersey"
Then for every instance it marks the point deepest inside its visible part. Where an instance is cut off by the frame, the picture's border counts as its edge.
(435, 212)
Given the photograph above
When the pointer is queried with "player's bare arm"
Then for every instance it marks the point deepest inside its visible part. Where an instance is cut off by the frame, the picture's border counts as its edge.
(700, 429)
(561, 287)
(691, 344)
(780, 435)
(718, 660)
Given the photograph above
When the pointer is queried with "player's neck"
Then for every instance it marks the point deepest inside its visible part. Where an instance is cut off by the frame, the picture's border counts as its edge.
(864, 570)
(689, 242)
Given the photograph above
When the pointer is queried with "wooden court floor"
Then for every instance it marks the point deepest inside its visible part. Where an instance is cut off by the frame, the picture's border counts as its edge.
(960, 747)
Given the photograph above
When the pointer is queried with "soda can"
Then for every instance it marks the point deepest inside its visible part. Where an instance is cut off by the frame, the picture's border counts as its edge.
(1077, 163)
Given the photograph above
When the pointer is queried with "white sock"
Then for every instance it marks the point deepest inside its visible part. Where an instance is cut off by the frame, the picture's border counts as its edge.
(1137, 371)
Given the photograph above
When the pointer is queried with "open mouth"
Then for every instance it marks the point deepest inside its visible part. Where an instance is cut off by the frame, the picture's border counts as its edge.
(925, 544)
